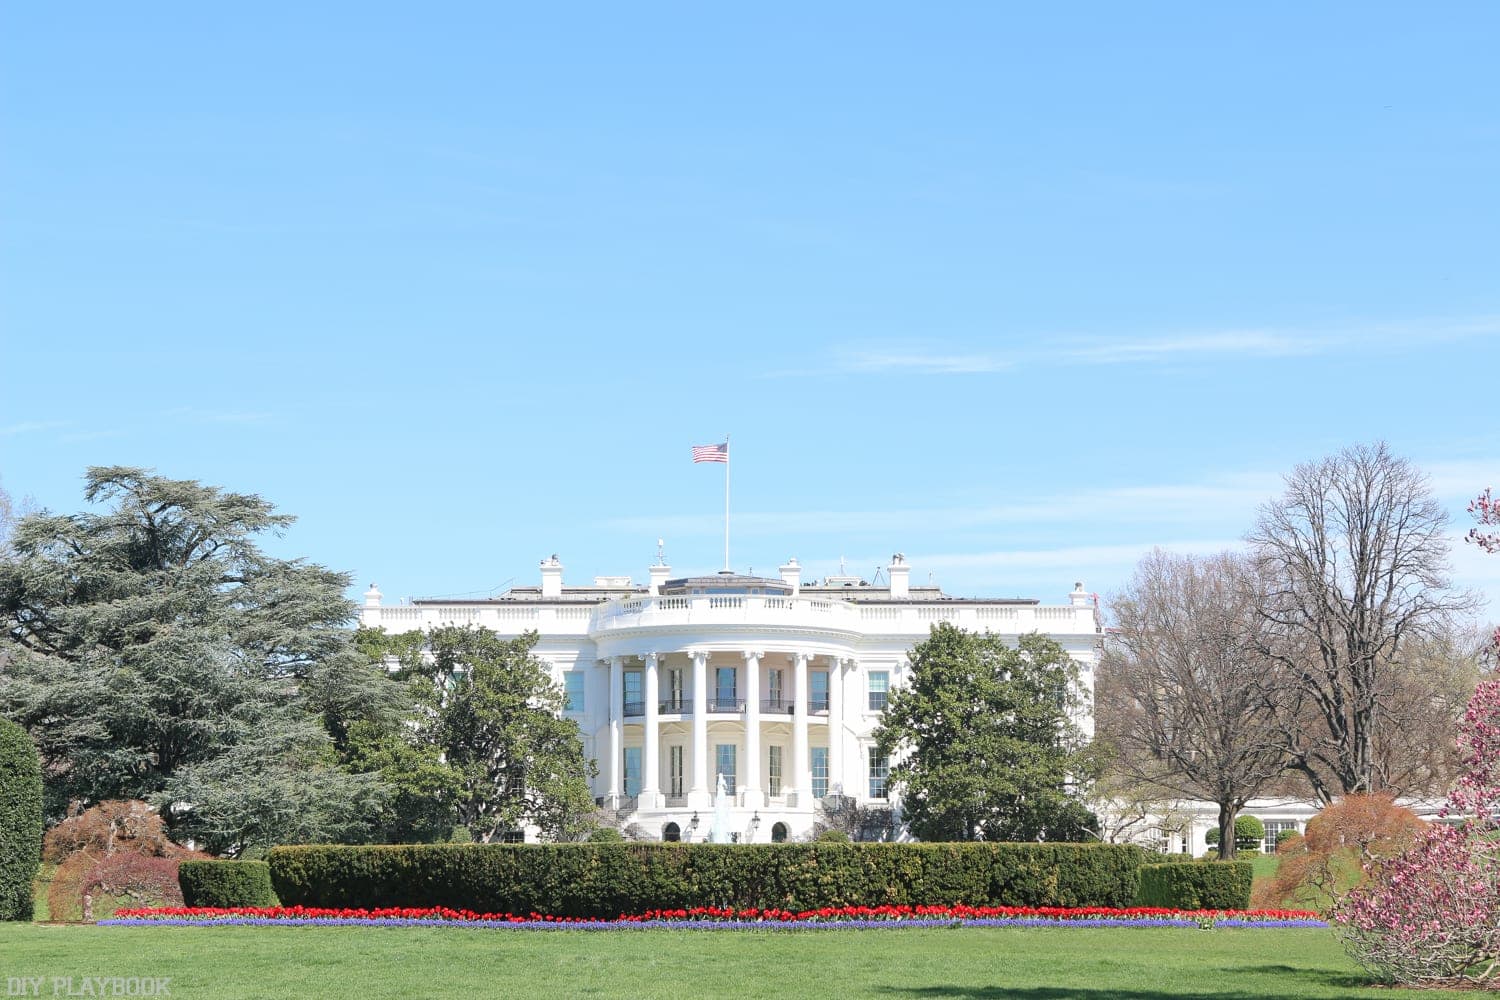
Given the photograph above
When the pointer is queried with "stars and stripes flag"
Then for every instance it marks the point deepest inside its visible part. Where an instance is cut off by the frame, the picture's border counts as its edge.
(711, 452)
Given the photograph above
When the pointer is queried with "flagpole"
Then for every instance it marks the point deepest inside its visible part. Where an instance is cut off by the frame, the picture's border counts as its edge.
(726, 503)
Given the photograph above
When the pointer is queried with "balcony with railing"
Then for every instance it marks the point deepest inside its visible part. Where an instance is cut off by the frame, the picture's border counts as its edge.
(676, 611)
(827, 614)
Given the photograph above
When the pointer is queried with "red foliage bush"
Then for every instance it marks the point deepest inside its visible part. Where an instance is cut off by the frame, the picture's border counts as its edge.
(114, 854)
(1346, 838)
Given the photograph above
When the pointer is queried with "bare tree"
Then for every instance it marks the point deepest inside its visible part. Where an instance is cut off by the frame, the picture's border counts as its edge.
(1354, 567)
(1189, 703)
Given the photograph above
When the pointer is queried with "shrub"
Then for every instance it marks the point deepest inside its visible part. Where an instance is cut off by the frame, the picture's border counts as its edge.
(20, 820)
(832, 837)
(116, 853)
(605, 880)
(1197, 885)
(226, 883)
(1341, 844)
(1248, 833)
(606, 835)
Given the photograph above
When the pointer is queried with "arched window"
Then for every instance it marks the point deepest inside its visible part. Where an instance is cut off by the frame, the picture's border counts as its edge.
(671, 833)
(778, 833)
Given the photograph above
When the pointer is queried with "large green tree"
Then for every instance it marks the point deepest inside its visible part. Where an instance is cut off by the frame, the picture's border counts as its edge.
(153, 650)
(985, 742)
(423, 788)
(494, 712)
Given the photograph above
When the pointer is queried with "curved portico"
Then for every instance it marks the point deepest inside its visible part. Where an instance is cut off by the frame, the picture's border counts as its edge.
(724, 675)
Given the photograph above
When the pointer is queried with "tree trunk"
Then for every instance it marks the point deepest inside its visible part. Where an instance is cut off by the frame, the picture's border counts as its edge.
(1228, 811)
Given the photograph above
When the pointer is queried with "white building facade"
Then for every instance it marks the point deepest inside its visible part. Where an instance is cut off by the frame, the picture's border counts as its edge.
(774, 685)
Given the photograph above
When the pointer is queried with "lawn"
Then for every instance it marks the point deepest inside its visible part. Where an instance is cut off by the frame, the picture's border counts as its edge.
(1039, 964)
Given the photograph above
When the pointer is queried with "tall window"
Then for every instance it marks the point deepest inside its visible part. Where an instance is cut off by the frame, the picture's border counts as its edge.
(819, 772)
(774, 694)
(880, 686)
(725, 687)
(1274, 828)
(573, 690)
(674, 689)
(632, 770)
(880, 770)
(635, 702)
(725, 755)
(817, 691)
(674, 770)
(773, 770)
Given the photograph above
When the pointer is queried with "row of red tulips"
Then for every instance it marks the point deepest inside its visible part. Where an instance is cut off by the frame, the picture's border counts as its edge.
(714, 913)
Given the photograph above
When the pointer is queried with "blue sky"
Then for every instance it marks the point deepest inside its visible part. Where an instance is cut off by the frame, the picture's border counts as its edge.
(1021, 291)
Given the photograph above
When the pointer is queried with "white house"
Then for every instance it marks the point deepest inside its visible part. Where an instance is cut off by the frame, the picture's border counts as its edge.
(775, 684)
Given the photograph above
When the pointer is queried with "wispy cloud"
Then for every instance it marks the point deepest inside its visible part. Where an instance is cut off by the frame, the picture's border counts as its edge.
(933, 357)
(1250, 343)
(917, 362)
(33, 427)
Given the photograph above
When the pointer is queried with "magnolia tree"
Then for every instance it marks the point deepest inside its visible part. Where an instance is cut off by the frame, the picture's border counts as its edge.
(1432, 915)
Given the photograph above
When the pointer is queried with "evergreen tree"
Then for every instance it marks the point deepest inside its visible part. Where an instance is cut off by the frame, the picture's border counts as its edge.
(986, 743)
(154, 651)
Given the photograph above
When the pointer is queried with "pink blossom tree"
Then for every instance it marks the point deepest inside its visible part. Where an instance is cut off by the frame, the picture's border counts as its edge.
(1432, 915)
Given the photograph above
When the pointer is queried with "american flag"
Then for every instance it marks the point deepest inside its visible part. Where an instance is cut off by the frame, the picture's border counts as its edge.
(711, 452)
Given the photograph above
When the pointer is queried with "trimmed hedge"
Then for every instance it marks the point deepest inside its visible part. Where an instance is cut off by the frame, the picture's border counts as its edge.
(1197, 885)
(606, 880)
(20, 820)
(225, 883)
(1248, 833)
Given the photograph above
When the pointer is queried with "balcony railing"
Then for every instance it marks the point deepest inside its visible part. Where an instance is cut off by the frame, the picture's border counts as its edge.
(678, 706)
(778, 706)
(726, 704)
(816, 613)
(817, 705)
(634, 708)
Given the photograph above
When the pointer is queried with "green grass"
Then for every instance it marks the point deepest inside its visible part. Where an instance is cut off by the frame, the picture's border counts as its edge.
(1033, 964)
(39, 889)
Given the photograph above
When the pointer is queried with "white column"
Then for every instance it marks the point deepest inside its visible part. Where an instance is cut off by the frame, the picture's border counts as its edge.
(750, 784)
(698, 792)
(836, 726)
(650, 769)
(801, 777)
(616, 720)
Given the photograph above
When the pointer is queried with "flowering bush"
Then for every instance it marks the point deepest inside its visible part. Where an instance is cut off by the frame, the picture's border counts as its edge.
(1432, 914)
(724, 918)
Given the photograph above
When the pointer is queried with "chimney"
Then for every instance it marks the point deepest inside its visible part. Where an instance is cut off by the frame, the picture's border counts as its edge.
(659, 574)
(900, 574)
(372, 597)
(791, 575)
(1080, 598)
(551, 577)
